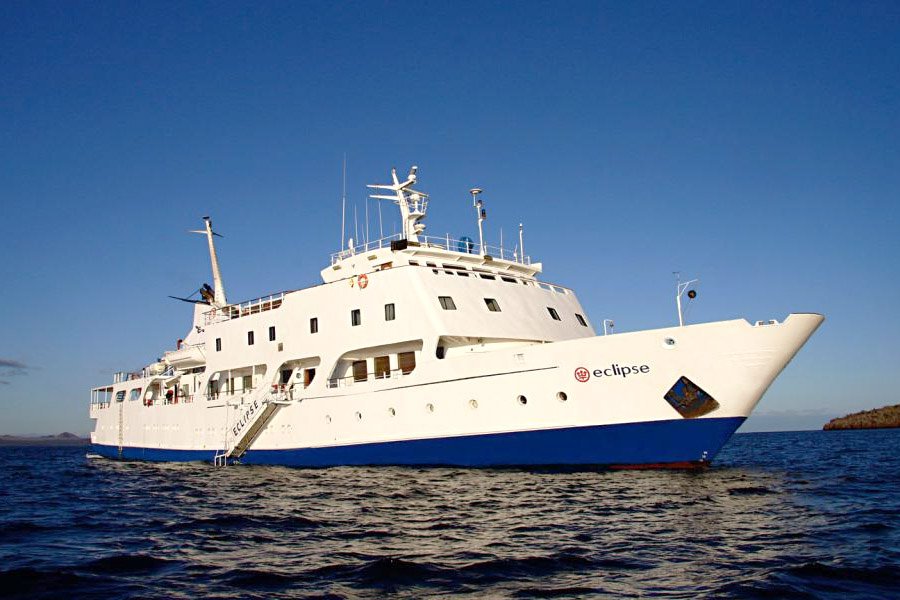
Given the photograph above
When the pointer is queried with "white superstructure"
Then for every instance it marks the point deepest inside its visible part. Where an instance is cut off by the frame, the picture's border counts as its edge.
(431, 350)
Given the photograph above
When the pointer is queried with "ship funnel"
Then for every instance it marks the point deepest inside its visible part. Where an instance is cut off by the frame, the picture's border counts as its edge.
(219, 288)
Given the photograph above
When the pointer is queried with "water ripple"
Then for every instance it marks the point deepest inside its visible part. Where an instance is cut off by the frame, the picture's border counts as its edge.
(795, 515)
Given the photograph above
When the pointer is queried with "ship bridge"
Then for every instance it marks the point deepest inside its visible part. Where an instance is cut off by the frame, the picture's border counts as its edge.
(413, 247)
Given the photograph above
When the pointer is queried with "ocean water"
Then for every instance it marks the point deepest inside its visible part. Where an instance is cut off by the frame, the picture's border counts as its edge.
(779, 515)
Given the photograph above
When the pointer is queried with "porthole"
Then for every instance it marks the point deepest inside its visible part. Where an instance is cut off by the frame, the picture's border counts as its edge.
(429, 407)
(522, 400)
(328, 418)
(562, 396)
(359, 416)
(392, 412)
(473, 403)
(669, 342)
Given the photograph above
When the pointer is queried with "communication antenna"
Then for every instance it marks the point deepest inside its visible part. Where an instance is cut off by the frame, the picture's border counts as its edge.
(521, 244)
(481, 213)
(344, 201)
(219, 292)
(680, 289)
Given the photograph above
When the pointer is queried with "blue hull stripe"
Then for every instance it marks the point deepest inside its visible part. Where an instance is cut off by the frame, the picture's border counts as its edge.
(649, 443)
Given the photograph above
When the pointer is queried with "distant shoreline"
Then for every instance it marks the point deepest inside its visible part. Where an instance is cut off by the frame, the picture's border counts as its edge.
(886, 417)
(63, 439)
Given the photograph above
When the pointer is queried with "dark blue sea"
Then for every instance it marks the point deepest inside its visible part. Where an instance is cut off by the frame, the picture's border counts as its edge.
(779, 515)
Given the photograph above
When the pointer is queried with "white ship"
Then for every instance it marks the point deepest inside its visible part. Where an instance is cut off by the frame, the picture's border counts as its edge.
(421, 350)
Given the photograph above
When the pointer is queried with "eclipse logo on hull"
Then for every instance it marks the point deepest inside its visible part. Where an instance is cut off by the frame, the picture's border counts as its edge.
(582, 374)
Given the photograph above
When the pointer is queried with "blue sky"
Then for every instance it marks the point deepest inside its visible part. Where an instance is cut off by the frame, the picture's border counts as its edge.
(754, 145)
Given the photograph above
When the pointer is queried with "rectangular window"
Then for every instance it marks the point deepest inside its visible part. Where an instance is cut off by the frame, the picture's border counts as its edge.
(492, 305)
(308, 376)
(491, 277)
(218, 344)
(382, 367)
(407, 362)
(447, 302)
(247, 383)
(553, 313)
(389, 312)
(581, 320)
(359, 370)
(314, 325)
(272, 333)
(249, 338)
(508, 279)
(355, 317)
(414, 263)
(135, 394)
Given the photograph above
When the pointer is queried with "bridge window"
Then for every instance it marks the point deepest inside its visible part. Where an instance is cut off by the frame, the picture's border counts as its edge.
(581, 320)
(135, 394)
(249, 338)
(447, 302)
(553, 313)
(355, 317)
(359, 370)
(389, 312)
(314, 325)
(272, 333)
(492, 305)
(218, 344)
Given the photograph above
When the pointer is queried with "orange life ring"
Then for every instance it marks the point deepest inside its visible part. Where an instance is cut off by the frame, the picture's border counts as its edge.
(363, 281)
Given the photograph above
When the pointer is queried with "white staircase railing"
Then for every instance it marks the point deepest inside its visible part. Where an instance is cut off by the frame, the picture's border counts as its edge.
(251, 418)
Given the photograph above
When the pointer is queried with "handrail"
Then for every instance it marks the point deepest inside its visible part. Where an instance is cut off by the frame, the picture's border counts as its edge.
(349, 380)
(243, 309)
(430, 241)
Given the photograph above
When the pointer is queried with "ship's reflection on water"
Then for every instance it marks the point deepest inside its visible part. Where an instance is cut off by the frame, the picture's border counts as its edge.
(164, 530)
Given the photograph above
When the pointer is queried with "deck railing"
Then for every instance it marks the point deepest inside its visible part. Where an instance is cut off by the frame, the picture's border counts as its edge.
(339, 382)
(463, 246)
(243, 309)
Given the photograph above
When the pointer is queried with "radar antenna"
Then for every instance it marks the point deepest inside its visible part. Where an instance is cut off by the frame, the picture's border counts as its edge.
(413, 204)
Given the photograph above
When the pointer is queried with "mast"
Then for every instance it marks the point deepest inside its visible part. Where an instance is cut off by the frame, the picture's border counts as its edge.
(413, 204)
(219, 287)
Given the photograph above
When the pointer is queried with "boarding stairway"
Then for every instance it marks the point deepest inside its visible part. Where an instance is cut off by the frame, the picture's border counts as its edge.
(268, 406)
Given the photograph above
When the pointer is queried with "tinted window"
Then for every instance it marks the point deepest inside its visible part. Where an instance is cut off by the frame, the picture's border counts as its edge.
(492, 305)
(314, 325)
(389, 312)
(553, 313)
(355, 317)
(447, 302)
(249, 338)
(272, 334)
(581, 320)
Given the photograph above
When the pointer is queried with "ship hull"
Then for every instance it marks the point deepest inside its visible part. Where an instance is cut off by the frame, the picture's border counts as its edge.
(684, 443)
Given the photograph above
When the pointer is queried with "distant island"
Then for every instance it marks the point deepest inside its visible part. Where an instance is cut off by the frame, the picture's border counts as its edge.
(878, 418)
(63, 439)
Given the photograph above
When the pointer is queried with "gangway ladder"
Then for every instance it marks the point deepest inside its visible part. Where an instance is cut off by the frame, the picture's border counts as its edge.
(272, 403)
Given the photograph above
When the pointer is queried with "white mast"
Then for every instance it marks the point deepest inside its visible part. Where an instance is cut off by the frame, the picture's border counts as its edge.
(482, 215)
(219, 287)
(521, 245)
